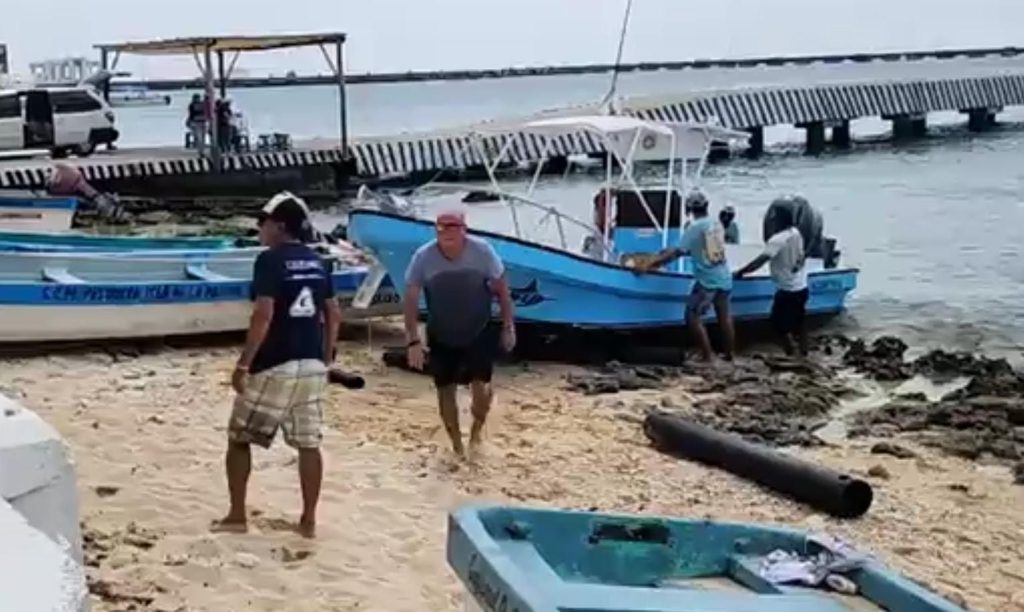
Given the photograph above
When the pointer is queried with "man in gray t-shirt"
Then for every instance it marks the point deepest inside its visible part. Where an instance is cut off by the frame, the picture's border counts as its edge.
(460, 276)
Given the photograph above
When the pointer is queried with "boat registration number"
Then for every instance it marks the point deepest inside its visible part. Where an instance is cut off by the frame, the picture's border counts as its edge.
(368, 288)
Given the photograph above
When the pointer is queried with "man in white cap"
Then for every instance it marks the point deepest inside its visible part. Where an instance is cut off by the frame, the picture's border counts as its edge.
(281, 374)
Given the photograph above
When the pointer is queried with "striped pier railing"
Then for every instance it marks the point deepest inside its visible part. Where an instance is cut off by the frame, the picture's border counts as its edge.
(813, 107)
(751, 108)
(127, 164)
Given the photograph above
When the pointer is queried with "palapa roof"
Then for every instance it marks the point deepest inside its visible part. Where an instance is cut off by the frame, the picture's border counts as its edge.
(228, 43)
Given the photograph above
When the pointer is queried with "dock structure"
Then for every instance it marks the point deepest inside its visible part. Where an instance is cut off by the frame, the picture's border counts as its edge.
(33, 172)
(823, 106)
(822, 110)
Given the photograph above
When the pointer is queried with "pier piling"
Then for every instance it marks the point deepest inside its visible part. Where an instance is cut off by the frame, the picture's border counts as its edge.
(908, 126)
(841, 134)
(815, 136)
(980, 119)
(755, 146)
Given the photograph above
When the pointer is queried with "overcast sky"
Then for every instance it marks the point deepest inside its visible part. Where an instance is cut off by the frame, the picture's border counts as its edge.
(398, 35)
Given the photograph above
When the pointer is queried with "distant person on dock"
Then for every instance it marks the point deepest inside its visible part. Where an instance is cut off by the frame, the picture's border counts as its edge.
(788, 265)
(704, 242)
(728, 219)
(281, 375)
(196, 123)
(223, 118)
(461, 276)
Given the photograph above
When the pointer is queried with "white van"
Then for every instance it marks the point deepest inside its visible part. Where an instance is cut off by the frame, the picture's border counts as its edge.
(63, 120)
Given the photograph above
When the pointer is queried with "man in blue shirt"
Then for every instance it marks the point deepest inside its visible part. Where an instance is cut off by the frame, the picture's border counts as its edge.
(461, 276)
(281, 375)
(704, 242)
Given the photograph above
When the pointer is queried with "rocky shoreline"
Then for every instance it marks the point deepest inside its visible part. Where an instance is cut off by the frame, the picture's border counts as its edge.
(784, 402)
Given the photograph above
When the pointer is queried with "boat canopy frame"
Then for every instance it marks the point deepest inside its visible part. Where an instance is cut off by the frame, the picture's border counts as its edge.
(203, 48)
(682, 139)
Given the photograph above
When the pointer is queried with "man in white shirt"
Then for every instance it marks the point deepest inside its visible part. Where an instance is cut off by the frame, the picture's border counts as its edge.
(788, 265)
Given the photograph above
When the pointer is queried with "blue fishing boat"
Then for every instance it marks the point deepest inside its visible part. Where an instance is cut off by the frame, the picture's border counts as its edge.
(557, 284)
(81, 242)
(29, 211)
(533, 560)
(62, 296)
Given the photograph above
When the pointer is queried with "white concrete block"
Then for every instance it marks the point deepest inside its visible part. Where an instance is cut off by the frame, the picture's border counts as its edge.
(35, 574)
(41, 551)
(37, 477)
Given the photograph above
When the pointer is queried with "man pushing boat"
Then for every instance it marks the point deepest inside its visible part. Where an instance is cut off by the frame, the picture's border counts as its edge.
(704, 241)
(460, 276)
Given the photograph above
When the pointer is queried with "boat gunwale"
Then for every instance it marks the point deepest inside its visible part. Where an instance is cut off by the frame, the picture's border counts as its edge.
(555, 251)
(469, 524)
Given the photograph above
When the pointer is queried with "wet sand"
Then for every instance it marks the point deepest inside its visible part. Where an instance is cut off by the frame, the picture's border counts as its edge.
(147, 435)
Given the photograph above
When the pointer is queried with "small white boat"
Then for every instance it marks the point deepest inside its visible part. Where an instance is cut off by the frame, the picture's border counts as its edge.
(134, 294)
(137, 96)
(27, 211)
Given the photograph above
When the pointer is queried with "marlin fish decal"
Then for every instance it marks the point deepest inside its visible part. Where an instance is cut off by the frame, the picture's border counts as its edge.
(528, 295)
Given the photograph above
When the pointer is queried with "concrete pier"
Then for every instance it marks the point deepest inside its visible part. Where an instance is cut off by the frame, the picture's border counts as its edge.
(980, 119)
(815, 136)
(840, 137)
(41, 557)
(908, 126)
(755, 146)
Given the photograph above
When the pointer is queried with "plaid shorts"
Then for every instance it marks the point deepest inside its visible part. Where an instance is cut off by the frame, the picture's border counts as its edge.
(288, 396)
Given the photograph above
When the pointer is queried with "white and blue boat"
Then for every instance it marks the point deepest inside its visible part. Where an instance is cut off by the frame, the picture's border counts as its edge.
(26, 211)
(150, 293)
(533, 560)
(556, 284)
(82, 242)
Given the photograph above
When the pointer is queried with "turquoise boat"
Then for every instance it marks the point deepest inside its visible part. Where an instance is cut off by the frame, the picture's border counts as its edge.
(534, 560)
(35, 242)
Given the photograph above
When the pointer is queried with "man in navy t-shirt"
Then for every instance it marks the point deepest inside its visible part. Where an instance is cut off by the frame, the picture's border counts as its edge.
(282, 373)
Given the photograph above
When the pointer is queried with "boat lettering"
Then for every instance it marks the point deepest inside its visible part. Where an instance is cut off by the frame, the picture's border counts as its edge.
(826, 284)
(491, 596)
(385, 297)
(99, 294)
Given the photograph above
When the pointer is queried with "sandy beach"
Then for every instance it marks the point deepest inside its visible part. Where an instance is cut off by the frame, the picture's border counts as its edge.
(147, 435)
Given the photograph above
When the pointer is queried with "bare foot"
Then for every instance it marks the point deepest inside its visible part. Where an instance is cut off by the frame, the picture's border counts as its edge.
(229, 524)
(306, 528)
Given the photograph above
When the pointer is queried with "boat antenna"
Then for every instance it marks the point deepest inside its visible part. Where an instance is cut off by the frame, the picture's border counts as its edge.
(607, 100)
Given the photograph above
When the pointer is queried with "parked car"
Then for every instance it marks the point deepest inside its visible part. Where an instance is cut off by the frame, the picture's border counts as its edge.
(61, 119)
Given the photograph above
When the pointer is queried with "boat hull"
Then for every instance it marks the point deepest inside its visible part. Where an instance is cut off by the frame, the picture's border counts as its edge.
(64, 297)
(535, 560)
(554, 287)
(29, 213)
(36, 242)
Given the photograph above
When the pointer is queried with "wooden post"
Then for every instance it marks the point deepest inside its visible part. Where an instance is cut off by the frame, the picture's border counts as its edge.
(220, 75)
(339, 59)
(211, 93)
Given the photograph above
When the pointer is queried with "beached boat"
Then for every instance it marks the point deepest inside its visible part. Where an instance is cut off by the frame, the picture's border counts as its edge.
(27, 211)
(556, 284)
(81, 242)
(133, 294)
(533, 560)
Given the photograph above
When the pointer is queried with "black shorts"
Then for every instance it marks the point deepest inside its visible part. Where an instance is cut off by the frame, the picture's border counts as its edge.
(788, 311)
(451, 365)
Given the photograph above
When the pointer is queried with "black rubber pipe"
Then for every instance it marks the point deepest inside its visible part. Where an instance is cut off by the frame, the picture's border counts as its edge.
(837, 494)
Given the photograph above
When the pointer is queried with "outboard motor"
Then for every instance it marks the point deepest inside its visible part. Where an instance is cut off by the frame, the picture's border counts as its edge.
(67, 180)
(808, 222)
